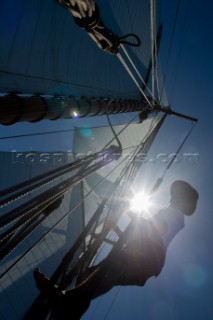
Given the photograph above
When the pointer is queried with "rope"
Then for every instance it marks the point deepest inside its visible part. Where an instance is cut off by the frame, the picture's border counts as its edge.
(54, 174)
(58, 222)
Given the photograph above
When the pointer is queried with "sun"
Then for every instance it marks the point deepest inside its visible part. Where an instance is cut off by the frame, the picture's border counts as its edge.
(140, 202)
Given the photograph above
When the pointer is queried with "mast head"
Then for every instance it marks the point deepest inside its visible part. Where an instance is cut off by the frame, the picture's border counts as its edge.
(183, 197)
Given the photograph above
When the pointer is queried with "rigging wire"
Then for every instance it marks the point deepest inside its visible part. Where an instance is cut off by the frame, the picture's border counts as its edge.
(181, 46)
(112, 303)
(156, 60)
(59, 221)
(63, 217)
(170, 46)
(54, 174)
(160, 180)
(113, 131)
(136, 70)
(133, 78)
(57, 131)
(68, 213)
(122, 175)
(153, 36)
(65, 82)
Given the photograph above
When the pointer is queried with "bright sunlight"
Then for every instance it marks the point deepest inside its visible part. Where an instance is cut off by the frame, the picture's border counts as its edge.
(140, 202)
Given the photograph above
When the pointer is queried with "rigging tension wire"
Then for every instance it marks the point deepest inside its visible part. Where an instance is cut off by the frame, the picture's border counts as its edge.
(62, 218)
(153, 36)
(170, 46)
(50, 176)
(136, 70)
(160, 180)
(87, 16)
(133, 78)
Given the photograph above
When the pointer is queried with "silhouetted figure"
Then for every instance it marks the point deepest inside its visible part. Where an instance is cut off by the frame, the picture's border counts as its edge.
(141, 257)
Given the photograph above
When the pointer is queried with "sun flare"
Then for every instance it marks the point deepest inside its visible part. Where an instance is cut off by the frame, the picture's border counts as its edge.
(140, 202)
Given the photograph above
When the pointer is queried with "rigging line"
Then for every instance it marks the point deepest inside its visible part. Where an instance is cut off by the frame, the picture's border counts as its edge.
(17, 29)
(156, 59)
(135, 68)
(58, 222)
(133, 78)
(53, 174)
(160, 180)
(92, 247)
(58, 131)
(69, 255)
(115, 135)
(170, 46)
(183, 35)
(20, 237)
(46, 179)
(59, 194)
(157, 74)
(125, 173)
(112, 303)
(32, 38)
(65, 82)
(152, 25)
(115, 188)
(63, 187)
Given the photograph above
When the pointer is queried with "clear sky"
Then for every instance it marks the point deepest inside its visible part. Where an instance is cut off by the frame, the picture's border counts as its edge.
(185, 287)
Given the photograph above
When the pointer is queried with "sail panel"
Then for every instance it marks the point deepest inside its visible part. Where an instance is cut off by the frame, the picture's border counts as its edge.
(44, 51)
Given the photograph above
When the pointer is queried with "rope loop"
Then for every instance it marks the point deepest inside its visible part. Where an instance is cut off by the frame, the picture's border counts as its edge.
(133, 44)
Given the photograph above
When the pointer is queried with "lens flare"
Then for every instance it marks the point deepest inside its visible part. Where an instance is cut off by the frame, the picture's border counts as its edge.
(74, 113)
(140, 202)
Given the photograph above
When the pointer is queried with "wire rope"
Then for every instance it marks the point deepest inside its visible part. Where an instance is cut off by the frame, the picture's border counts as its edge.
(65, 82)
(170, 46)
(133, 78)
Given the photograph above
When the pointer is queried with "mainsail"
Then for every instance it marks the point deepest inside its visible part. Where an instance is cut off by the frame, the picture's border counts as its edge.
(57, 206)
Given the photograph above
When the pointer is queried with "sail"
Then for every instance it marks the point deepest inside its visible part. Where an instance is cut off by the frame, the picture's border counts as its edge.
(43, 51)
(57, 204)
